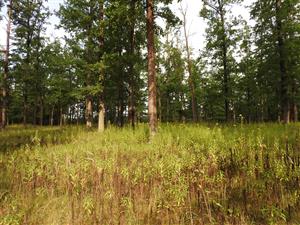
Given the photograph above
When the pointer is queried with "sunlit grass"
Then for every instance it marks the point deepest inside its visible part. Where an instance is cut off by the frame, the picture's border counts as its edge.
(187, 174)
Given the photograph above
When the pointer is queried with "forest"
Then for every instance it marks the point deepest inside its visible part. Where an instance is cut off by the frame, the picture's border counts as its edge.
(117, 118)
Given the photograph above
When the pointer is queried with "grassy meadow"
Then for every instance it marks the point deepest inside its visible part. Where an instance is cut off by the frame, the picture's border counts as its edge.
(187, 174)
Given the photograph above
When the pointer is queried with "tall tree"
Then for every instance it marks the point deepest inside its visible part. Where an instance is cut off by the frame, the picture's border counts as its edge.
(29, 19)
(191, 81)
(151, 68)
(277, 25)
(220, 35)
(6, 69)
(101, 114)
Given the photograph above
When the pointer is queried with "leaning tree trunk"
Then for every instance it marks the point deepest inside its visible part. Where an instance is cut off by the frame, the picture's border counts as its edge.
(6, 70)
(151, 69)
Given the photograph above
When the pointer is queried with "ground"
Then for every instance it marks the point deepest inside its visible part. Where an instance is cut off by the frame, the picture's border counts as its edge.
(186, 174)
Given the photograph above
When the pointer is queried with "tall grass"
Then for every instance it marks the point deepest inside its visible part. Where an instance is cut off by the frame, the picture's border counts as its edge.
(187, 174)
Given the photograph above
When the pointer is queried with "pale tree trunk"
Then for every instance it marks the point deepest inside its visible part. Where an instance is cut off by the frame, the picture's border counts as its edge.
(101, 120)
(6, 69)
(89, 112)
(101, 110)
(151, 69)
(189, 66)
(77, 114)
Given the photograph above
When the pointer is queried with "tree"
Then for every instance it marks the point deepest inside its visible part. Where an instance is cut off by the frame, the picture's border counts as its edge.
(151, 68)
(220, 41)
(101, 115)
(171, 79)
(82, 20)
(277, 26)
(29, 18)
(6, 69)
(191, 81)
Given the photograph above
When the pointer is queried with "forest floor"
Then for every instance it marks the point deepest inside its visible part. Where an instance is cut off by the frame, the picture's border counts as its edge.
(187, 174)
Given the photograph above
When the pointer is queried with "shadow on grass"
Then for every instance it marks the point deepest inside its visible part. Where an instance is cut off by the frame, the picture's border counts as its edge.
(16, 137)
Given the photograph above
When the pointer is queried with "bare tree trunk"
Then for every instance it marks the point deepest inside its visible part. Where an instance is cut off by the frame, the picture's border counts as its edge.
(89, 112)
(151, 68)
(285, 101)
(77, 114)
(61, 116)
(101, 114)
(6, 70)
(189, 66)
(101, 120)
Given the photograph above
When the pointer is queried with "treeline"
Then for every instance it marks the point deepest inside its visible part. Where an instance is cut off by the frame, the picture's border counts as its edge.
(102, 72)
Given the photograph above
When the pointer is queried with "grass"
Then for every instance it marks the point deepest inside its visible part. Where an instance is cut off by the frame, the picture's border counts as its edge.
(188, 174)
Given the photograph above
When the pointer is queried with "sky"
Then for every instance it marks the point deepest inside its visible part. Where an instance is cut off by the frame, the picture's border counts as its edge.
(196, 25)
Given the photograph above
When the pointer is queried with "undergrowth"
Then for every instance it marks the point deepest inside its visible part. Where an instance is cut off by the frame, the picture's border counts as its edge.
(187, 174)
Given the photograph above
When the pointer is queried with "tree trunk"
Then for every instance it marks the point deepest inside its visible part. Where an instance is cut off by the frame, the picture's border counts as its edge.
(285, 101)
(120, 112)
(89, 112)
(101, 119)
(101, 114)
(151, 69)
(61, 116)
(189, 67)
(6, 70)
(77, 114)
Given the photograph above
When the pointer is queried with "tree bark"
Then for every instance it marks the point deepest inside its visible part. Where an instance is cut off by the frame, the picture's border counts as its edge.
(89, 112)
(151, 69)
(61, 116)
(101, 120)
(6, 70)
